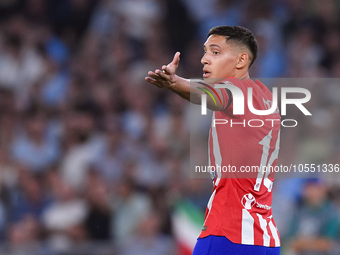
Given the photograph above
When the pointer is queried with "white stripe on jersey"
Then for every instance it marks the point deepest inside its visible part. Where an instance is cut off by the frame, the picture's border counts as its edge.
(247, 227)
(274, 233)
(209, 161)
(263, 224)
(218, 160)
(268, 183)
(210, 204)
(217, 152)
(265, 142)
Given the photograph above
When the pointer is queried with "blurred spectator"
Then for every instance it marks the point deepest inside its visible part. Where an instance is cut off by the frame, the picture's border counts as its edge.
(21, 62)
(224, 12)
(28, 199)
(98, 220)
(84, 148)
(180, 26)
(304, 54)
(8, 170)
(65, 216)
(130, 207)
(110, 163)
(315, 224)
(24, 239)
(37, 146)
(148, 240)
(55, 84)
(139, 18)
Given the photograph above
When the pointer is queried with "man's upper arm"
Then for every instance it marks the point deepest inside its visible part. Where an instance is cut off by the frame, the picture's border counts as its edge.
(221, 101)
(218, 99)
(228, 98)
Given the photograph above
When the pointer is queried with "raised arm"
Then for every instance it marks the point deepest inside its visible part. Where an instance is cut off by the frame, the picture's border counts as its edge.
(190, 91)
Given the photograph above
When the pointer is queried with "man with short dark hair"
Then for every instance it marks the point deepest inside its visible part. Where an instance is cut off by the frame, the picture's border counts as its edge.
(238, 218)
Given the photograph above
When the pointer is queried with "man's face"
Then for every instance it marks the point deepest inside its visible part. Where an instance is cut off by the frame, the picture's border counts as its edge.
(220, 59)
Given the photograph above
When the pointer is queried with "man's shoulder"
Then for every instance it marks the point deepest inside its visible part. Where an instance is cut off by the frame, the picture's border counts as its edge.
(243, 84)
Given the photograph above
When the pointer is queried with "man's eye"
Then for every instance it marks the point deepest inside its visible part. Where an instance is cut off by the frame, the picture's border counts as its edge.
(215, 52)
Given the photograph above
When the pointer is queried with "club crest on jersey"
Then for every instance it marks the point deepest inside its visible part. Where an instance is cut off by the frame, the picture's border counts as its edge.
(248, 201)
(268, 105)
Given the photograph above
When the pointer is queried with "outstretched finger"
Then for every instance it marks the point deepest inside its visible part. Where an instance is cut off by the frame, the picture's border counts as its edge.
(166, 69)
(153, 81)
(175, 61)
(162, 74)
(156, 75)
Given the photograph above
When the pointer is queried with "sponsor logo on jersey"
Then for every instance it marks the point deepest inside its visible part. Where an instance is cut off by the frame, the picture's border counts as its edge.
(248, 201)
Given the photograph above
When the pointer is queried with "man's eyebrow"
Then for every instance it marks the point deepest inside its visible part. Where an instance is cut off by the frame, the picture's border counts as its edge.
(212, 45)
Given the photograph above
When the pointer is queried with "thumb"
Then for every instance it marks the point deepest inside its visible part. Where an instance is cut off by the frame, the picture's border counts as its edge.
(175, 61)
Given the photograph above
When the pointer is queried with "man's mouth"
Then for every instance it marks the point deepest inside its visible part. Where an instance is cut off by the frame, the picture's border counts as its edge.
(206, 74)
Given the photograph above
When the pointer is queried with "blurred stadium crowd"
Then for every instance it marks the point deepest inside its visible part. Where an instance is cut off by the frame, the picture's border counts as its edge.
(93, 159)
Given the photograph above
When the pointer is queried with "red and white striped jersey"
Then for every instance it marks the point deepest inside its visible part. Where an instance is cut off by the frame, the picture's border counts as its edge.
(240, 205)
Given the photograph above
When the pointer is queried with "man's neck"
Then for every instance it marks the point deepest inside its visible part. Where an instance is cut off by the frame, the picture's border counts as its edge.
(242, 76)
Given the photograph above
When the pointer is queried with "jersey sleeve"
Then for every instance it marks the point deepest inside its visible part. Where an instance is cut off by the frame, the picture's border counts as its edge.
(227, 98)
(226, 93)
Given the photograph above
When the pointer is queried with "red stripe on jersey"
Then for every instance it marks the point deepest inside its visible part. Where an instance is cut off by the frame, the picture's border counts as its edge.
(258, 235)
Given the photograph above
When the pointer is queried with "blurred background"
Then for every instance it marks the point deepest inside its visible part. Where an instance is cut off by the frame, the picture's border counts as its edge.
(93, 160)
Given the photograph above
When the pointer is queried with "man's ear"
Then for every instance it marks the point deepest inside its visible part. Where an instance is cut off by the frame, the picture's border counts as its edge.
(243, 60)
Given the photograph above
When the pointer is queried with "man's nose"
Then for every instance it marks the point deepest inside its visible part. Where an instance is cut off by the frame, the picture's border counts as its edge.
(204, 60)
